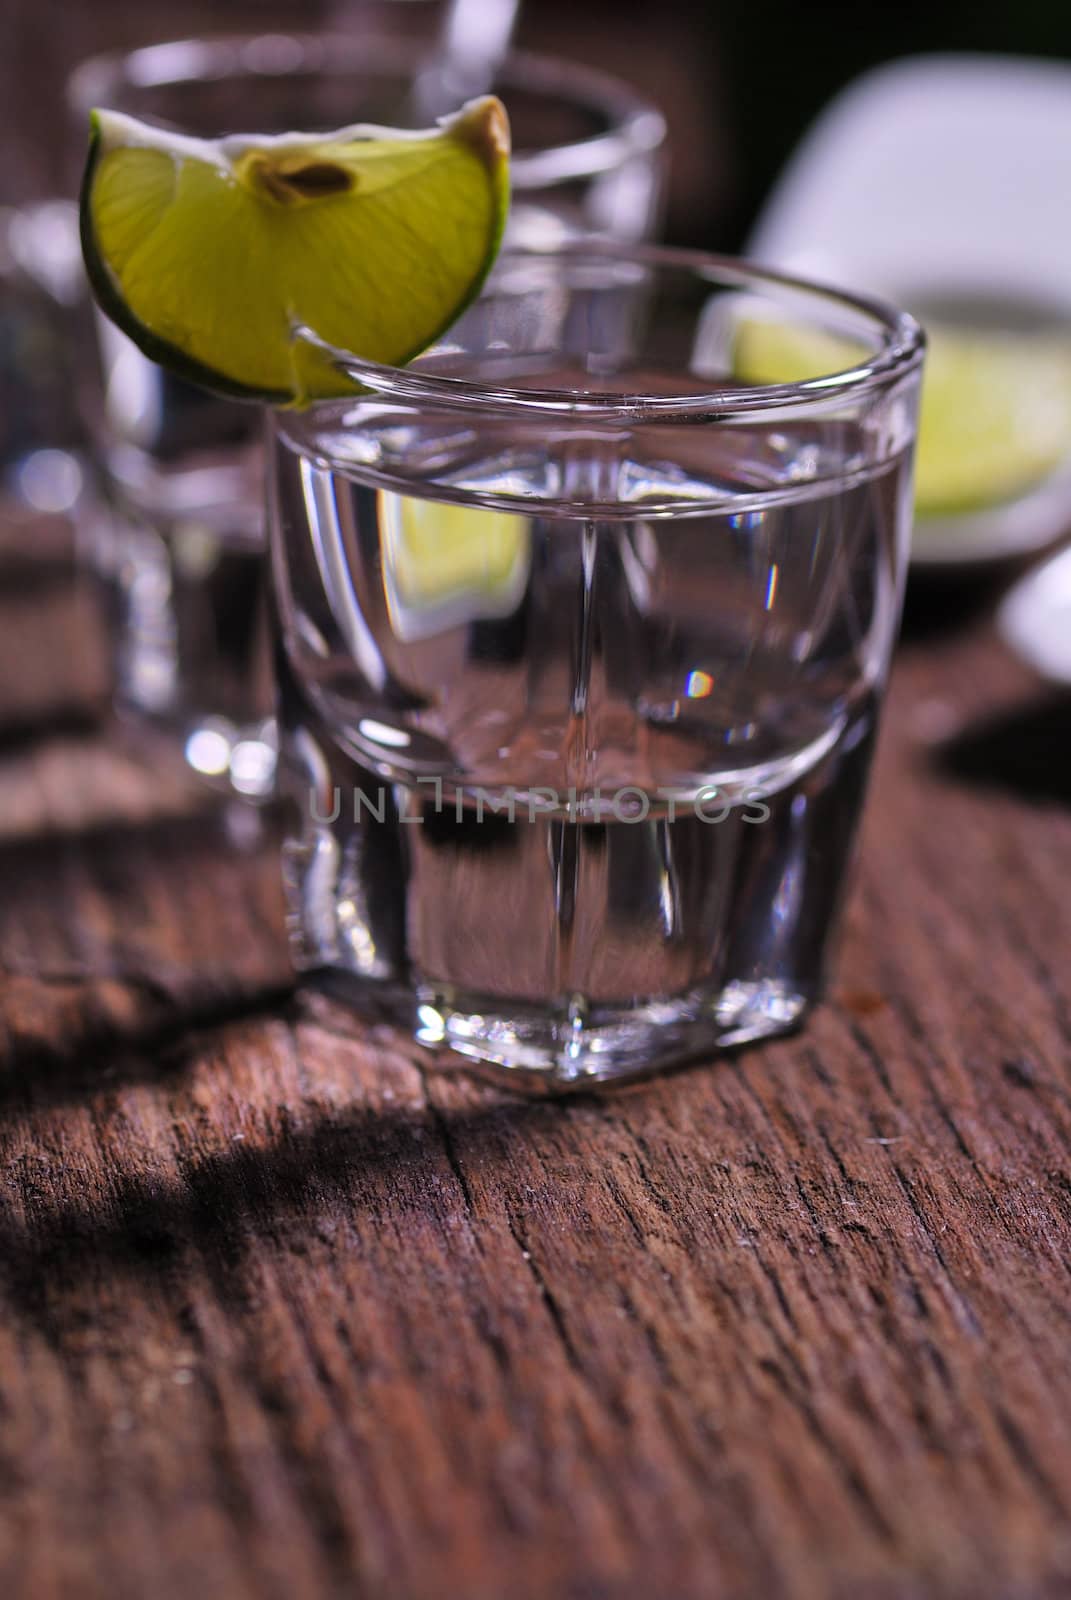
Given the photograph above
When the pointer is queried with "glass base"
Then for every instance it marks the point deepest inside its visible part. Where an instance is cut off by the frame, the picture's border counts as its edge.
(231, 759)
(235, 758)
(561, 953)
(574, 1046)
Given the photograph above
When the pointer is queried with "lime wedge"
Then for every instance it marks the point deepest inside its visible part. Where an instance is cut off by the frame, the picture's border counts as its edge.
(995, 418)
(209, 253)
(446, 564)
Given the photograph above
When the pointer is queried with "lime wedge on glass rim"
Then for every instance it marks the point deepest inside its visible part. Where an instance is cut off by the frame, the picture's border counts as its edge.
(995, 416)
(211, 254)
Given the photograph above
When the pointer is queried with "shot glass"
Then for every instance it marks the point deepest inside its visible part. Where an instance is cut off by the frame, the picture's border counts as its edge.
(181, 555)
(582, 642)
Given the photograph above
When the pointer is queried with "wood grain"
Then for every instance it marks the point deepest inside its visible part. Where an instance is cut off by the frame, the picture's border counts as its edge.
(291, 1310)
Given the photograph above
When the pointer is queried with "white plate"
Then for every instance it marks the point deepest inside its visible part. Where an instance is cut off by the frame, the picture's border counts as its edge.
(931, 178)
(1035, 618)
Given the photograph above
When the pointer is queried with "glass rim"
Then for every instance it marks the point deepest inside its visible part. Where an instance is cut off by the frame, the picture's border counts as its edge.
(636, 126)
(899, 353)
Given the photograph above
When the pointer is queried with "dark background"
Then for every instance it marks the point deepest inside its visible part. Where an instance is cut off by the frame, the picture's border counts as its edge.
(739, 81)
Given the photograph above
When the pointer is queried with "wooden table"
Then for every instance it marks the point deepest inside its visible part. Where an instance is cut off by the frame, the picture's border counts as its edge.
(288, 1311)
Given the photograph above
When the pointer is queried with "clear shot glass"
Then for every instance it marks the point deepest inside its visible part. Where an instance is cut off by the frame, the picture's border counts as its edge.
(582, 641)
(181, 555)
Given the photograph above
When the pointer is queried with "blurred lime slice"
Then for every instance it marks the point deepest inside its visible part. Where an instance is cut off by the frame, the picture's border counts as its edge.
(778, 352)
(209, 253)
(995, 418)
(446, 564)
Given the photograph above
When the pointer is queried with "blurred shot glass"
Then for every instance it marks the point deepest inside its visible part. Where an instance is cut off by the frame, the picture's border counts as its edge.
(181, 551)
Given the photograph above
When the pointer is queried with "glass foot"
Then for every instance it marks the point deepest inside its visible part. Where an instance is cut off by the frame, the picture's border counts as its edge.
(575, 1046)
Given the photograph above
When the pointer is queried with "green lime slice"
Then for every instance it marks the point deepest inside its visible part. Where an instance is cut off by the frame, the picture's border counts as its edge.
(445, 563)
(995, 417)
(209, 253)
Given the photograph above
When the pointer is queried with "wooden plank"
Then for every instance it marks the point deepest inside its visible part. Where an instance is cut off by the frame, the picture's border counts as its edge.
(289, 1308)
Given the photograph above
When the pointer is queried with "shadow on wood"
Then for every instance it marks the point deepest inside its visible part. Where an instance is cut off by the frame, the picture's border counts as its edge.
(1026, 750)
